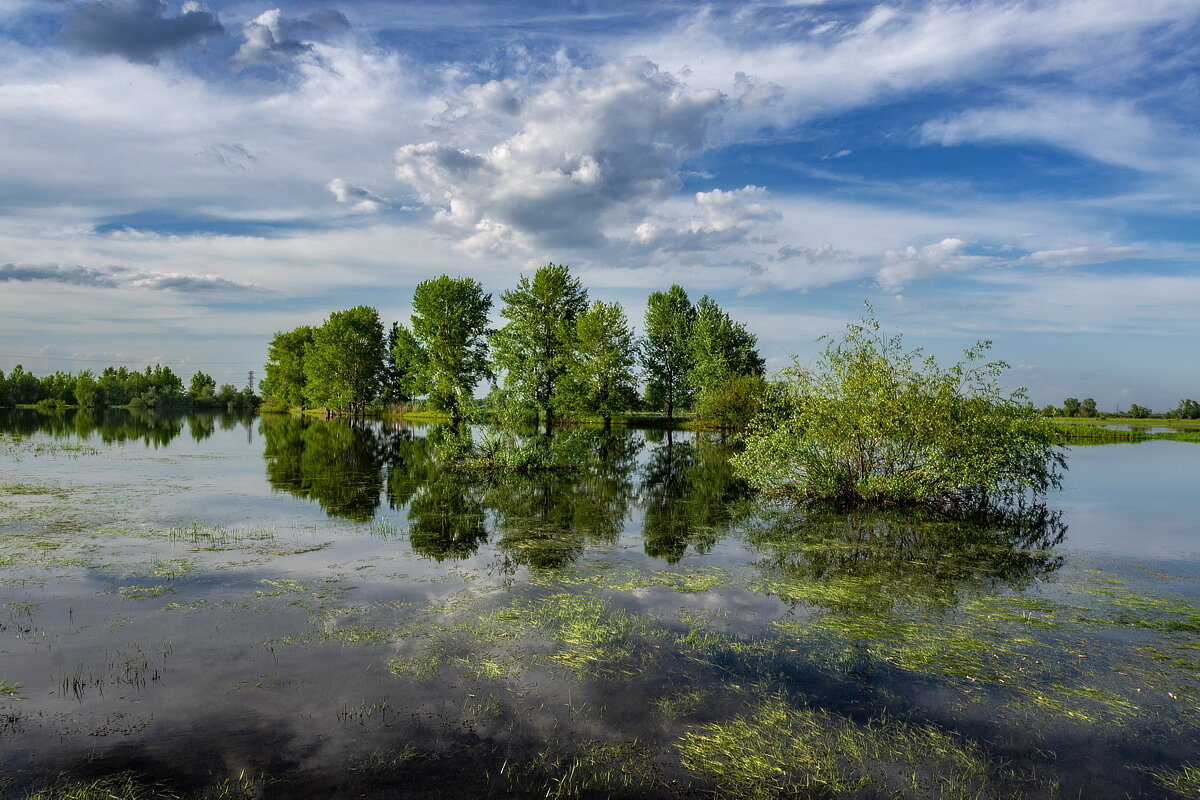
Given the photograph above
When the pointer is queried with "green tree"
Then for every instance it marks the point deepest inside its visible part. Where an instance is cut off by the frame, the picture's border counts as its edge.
(720, 346)
(1138, 412)
(1071, 407)
(403, 362)
(601, 376)
(202, 389)
(86, 389)
(726, 367)
(1187, 409)
(23, 387)
(872, 422)
(285, 378)
(1087, 408)
(342, 363)
(449, 326)
(536, 348)
(667, 356)
(732, 402)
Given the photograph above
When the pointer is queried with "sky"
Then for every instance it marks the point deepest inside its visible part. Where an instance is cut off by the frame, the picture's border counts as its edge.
(181, 181)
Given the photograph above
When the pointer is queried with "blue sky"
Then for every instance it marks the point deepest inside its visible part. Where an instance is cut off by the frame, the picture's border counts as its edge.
(182, 180)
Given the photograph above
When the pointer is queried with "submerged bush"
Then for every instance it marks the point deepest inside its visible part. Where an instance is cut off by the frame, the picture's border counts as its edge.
(871, 422)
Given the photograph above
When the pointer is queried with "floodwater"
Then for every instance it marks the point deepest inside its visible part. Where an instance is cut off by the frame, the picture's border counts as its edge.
(215, 606)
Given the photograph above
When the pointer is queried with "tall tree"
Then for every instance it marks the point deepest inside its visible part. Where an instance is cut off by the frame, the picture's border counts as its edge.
(537, 346)
(721, 347)
(285, 376)
(667, 351)
(601, 376)
(726, 368)
(449, 329)
(342, 363)
(404, 360)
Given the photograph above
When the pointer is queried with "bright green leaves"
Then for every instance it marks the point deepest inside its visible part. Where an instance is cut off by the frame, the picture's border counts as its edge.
(448, 353)
(343, 362)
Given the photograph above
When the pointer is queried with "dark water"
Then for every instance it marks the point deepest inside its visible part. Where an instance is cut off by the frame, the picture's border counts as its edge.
(284, 607)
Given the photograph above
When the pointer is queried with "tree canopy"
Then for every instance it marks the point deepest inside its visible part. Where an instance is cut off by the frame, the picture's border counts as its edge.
(537, 346)
(344, 361)
(449, 322)
(602, 375)
(667, 356)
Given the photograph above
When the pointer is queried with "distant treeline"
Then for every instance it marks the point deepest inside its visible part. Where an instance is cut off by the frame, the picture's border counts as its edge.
(557, 355)
(155, 387)
(1074, 407)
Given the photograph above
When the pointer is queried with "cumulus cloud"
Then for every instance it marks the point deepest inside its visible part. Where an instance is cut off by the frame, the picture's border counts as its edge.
(271, 39)
(117, 277)
(358, 198)
(581, 147)
(1081, 256)
(137, 30)
(901, 266)
(719, 218)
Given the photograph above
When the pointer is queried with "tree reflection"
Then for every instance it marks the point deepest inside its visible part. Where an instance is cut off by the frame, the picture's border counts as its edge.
(109, 425)
(338, 463)
(446, 514)
(869, 561)
(687, 492)
(545, 520)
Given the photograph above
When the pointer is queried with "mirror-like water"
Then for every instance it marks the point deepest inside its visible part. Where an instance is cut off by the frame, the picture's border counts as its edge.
(286, 607)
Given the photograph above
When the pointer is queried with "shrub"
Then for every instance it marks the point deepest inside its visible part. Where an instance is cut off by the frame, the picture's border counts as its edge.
(871, 422)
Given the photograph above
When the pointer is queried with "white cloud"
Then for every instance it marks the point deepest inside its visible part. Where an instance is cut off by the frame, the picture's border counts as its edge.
(718, 219)
(1081, 256)
(840, 63)
(1112, 131)
(911, 263)
(584, 147)
(358, 198)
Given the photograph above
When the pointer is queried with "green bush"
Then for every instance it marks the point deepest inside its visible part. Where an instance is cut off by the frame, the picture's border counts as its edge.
(871, 422)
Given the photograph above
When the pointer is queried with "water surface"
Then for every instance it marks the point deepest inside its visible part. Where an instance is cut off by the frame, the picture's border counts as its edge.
(287, 607)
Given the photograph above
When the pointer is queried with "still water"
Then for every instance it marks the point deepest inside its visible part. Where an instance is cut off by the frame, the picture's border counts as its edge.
(214, 606)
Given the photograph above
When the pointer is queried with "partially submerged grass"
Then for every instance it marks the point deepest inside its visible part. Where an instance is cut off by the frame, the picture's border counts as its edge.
(784, 748)
(1184, 781)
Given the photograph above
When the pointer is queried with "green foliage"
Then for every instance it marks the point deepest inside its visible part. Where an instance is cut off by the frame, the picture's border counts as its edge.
(536, 348)
(343, 361)
(667, 356)
(720, 346)
(1087, 408)
(285, 377)
(404, 360)
(1187, 409)
(732, 402)
(601, 377)
(1070, 407)
(23, 387)
(1138, 412)
(202, 389)
(449, 329)
(872, 422)
(86, 389)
